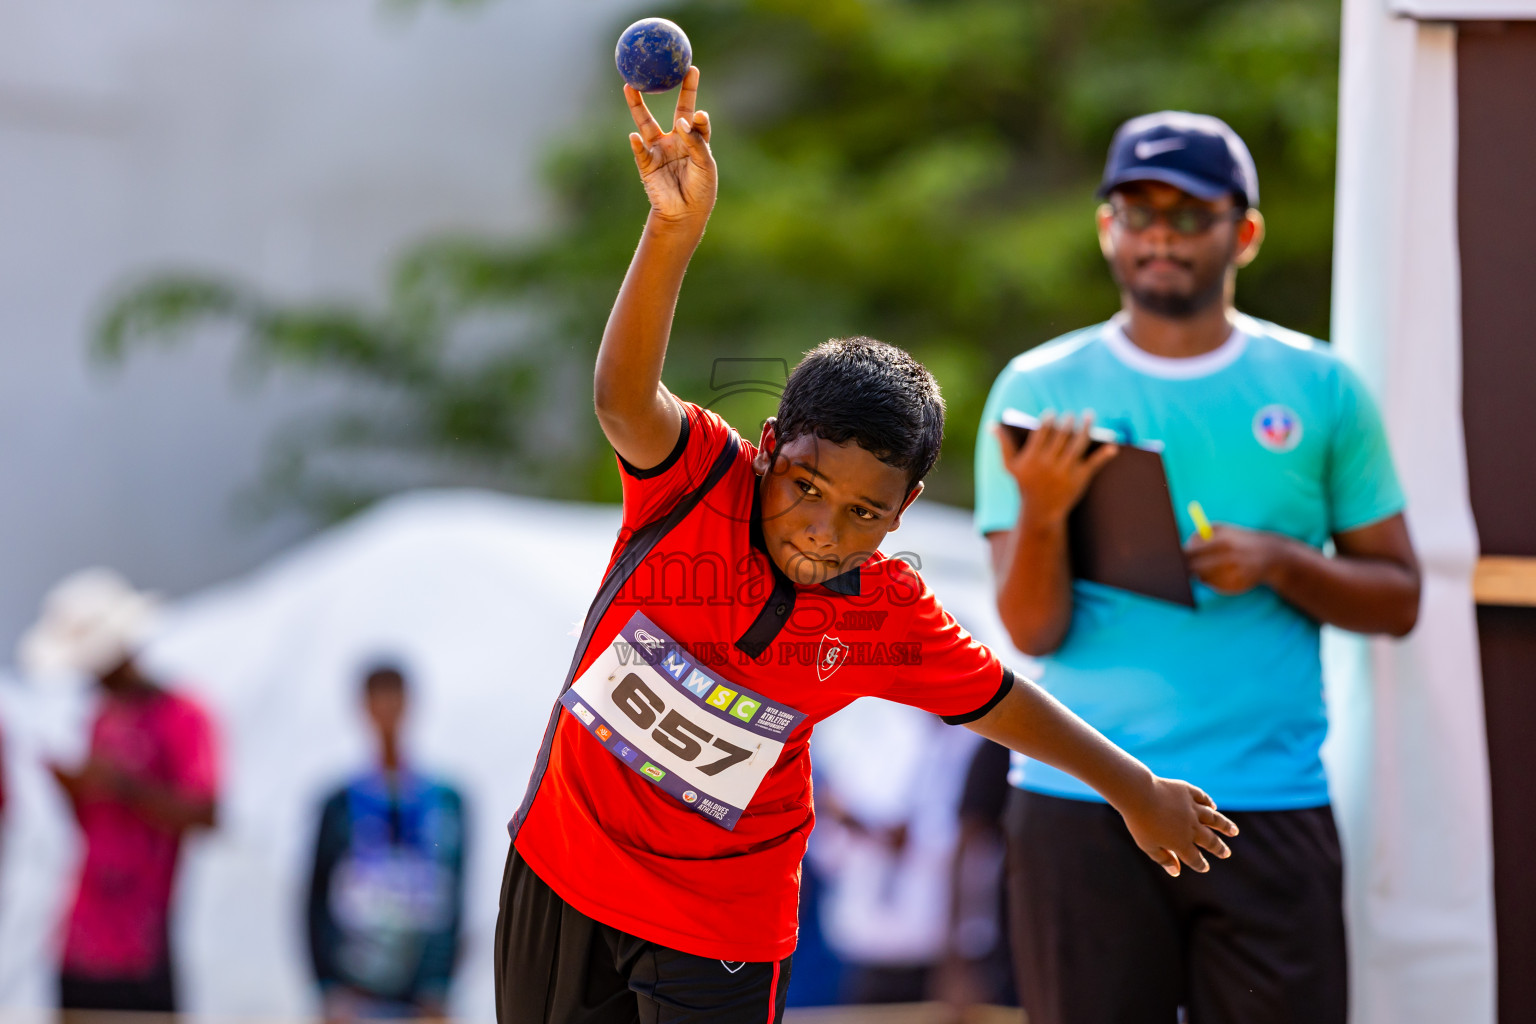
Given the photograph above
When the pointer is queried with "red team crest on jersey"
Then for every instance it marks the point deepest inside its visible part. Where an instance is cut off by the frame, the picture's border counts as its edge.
(830, 656)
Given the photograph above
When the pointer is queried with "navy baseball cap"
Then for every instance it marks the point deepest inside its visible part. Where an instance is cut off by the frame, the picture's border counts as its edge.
(1198, 153)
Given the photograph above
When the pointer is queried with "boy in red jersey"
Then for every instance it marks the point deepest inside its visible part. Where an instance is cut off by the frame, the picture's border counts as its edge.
(654, 874)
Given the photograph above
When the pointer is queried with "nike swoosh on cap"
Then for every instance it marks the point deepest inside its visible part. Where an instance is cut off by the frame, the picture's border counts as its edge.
(1146, 149)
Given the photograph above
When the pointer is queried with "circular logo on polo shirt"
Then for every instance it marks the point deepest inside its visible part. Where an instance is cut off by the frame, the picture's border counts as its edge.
(1277, 427)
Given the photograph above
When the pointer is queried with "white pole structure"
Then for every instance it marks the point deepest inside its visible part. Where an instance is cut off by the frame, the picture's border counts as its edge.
(1411, 772)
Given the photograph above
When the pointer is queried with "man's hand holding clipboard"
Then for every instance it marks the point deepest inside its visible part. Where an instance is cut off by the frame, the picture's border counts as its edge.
(1052, 459)
(1112, 498)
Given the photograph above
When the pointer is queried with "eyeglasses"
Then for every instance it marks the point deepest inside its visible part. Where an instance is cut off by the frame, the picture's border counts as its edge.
(1184, 220)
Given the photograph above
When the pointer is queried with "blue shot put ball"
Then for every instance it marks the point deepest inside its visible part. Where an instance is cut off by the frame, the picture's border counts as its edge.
(653, 55)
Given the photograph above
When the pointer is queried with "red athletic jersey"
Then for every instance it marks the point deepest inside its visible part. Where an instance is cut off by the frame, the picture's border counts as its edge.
(634, 838)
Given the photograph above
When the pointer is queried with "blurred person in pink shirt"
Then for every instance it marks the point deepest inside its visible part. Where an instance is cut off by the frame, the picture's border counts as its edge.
(150, 777)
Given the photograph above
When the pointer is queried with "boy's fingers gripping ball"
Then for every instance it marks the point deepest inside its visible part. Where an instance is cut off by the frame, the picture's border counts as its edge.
(653, 55)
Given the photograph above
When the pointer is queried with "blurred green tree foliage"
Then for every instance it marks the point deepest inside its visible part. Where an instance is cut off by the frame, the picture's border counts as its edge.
(921, 171)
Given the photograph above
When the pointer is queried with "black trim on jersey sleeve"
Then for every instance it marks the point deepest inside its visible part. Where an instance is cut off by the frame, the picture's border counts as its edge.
(981, 712)
(666, 463)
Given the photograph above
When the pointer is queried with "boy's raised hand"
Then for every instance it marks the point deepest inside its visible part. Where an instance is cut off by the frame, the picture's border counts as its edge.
(675, 166)
(1174, 822)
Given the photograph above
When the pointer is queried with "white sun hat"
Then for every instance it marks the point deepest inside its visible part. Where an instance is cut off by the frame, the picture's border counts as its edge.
(91, 622)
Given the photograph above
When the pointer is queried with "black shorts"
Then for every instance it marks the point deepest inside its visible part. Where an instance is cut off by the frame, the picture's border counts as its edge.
(153, 993)
(1102, 935)
(555, 965)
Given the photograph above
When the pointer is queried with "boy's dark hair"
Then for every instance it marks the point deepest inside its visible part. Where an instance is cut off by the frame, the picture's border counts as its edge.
(383, 676)
(874, 394)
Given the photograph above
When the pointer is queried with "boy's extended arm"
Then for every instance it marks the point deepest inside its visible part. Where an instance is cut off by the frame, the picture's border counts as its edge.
(1170, 820)
(637, 413)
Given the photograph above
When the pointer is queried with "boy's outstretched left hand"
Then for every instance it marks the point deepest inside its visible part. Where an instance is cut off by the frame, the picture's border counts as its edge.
(676, 166)
(1174, 821)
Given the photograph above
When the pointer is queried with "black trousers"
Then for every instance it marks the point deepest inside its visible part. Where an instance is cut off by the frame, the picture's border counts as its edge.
(1102, 935)
(154, 993)
(555, 965)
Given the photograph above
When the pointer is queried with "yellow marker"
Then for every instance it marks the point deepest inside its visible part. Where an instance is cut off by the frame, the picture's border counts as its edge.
(1202, 524)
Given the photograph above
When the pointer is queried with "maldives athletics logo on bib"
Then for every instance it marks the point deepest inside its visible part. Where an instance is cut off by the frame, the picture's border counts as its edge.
(1278, 428)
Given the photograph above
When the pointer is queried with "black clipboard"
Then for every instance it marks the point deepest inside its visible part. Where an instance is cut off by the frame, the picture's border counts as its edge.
(1123, 532)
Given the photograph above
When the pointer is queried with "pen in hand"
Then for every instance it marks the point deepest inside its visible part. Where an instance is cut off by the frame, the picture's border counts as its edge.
(1202, 524)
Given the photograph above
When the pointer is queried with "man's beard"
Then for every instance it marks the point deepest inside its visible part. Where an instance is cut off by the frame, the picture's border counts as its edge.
(1176, 306)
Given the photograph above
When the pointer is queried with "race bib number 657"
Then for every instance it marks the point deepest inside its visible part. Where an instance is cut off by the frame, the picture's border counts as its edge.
(698, 736)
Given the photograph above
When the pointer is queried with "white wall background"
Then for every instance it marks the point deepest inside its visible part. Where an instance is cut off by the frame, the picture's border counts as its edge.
(295, 143)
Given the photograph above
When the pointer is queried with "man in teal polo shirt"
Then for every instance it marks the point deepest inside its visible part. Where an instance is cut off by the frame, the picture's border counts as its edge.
(1283, 447)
